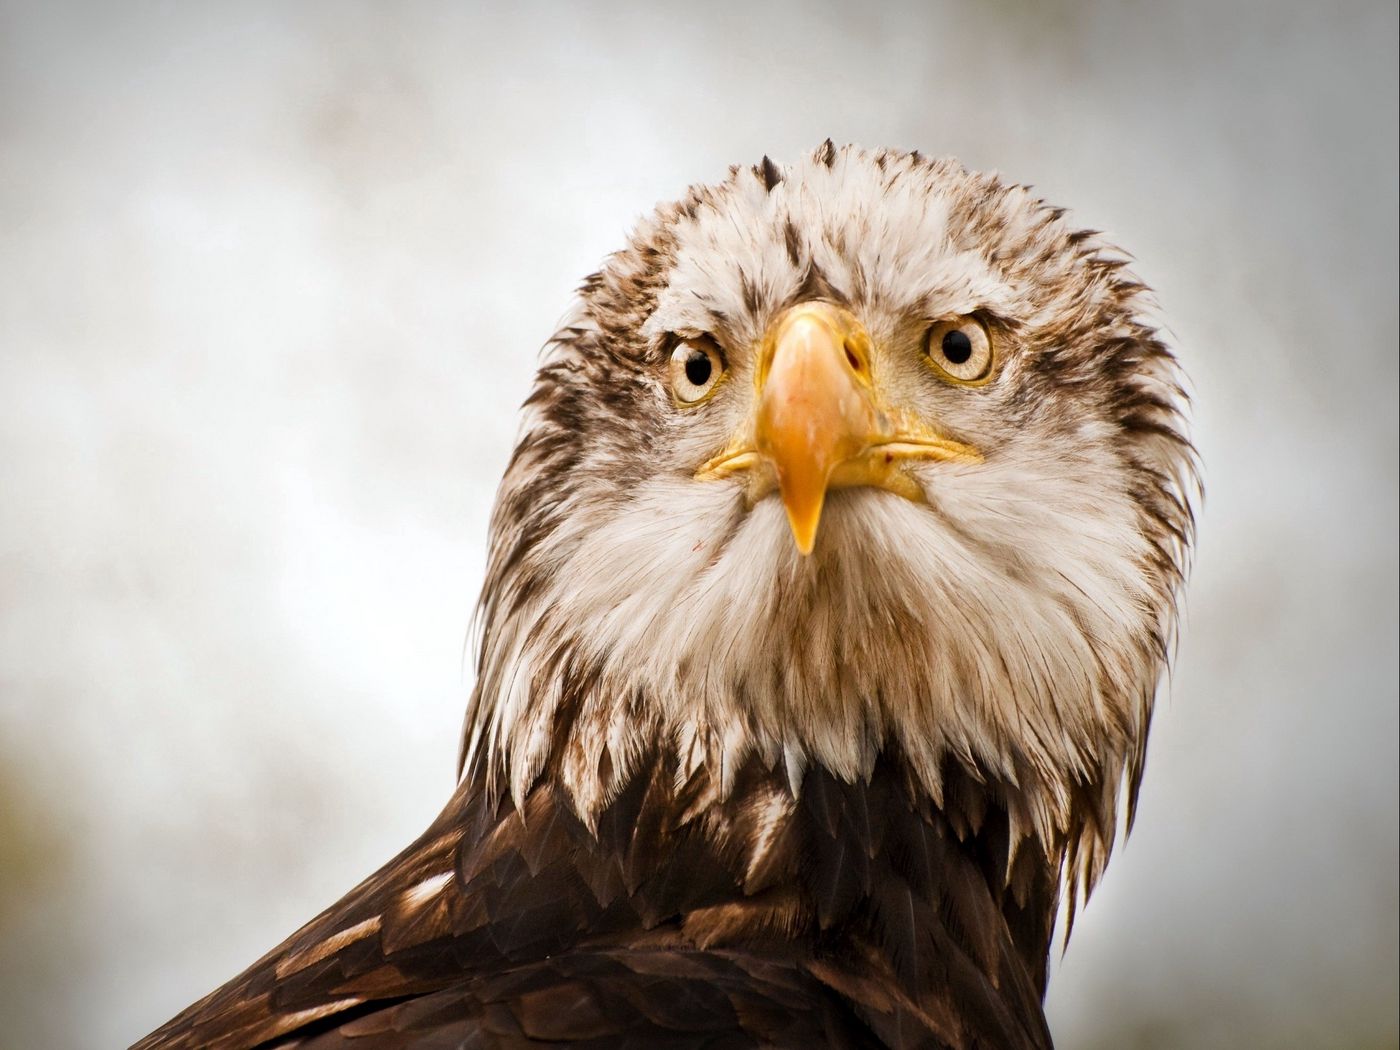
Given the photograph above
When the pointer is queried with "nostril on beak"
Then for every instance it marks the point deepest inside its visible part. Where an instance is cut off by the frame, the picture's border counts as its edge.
(852, 358)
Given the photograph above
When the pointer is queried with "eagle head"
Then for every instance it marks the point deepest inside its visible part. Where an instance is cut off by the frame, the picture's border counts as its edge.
(861, 453)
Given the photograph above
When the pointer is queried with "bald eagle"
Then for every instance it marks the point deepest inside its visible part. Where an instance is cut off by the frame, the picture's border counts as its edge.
(830, 584)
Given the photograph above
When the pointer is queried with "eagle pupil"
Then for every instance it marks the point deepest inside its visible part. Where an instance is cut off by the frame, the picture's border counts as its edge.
(957, 347)
(698, 368)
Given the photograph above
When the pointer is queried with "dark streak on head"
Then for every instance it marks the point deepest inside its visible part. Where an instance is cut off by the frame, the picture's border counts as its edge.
(769, 173)
(816, 286)
(792, 240)
(749, 287)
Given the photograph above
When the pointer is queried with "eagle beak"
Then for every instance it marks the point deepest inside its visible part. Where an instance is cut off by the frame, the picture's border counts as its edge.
(820, 424)
(815, 407)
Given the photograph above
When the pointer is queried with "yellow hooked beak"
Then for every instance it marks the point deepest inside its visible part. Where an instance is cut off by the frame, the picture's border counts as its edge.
(819, 424)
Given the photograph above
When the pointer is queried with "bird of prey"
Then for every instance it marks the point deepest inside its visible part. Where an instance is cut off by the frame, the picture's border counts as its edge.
(830, 585)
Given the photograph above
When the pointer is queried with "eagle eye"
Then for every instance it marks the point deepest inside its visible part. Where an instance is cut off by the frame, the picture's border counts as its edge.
(696, 367)
(960, 350)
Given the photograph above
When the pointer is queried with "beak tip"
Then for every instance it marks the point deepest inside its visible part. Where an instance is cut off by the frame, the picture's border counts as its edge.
(804, 529)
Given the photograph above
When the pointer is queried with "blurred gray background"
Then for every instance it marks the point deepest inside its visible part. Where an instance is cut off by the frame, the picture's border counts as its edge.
(272, 281)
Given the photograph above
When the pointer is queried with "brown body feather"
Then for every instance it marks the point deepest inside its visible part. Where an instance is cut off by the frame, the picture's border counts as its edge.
(856, 915)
